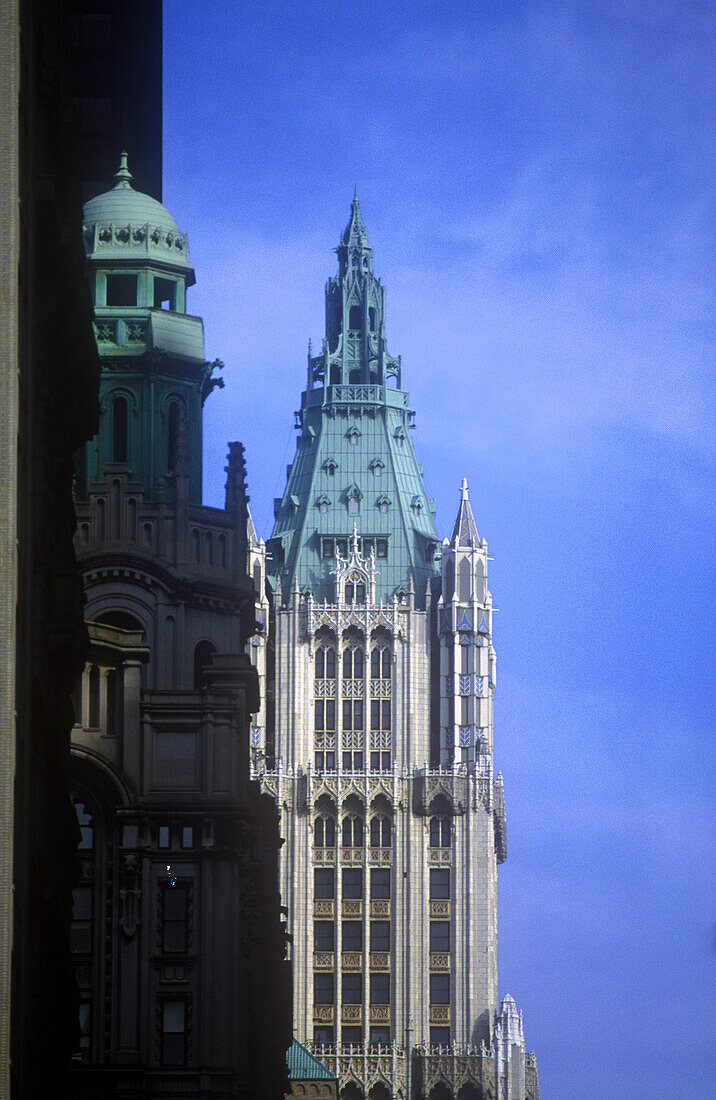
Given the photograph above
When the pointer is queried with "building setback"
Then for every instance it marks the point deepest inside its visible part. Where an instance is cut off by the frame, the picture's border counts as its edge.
(176, 931)
(377, 738)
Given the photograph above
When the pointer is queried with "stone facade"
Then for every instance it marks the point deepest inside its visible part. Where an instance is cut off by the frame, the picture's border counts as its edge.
(176, 930)
(377, 738)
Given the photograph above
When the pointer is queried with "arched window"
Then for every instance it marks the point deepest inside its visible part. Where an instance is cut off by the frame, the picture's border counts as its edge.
(380, 831)
(120, 426)
(353, 664)
(172, 435)
(355, 321)
(202, 658)
(440, 832)
(464, 580)
(324, 832)
(352, 831)
(449, 580)
(325, 663)
(380, 663)
(93, 689)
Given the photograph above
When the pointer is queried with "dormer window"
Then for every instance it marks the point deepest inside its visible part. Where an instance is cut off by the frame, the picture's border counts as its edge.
(416, 504)
(330, 466)
(383, 504)
(377, 466)
(323, 504)
(353, 436)
(399, 436)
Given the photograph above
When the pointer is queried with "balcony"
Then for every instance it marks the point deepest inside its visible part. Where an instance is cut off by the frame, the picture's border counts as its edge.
(380, 960)
(439, 960)
(323, 960)
(440, 1014)
(352, 1014)
(380, 909)
(352, 960)
(324, 908)
(440, 908)
(323, 1014)
(352, 907)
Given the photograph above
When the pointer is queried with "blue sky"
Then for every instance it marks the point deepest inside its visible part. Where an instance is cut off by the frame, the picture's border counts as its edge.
(535, 179)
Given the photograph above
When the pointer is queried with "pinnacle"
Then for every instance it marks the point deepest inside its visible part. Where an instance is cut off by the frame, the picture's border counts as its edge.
(123, 176)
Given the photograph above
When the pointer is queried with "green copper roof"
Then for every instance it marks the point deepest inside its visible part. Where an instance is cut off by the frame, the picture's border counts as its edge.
(354, 462)
(302, 1066)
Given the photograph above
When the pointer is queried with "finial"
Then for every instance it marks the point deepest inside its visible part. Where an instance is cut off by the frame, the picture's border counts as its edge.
(463, 489)
(355, 193)
(123, 176)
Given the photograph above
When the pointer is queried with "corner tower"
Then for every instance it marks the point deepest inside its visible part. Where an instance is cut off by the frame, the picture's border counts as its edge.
(378, 748)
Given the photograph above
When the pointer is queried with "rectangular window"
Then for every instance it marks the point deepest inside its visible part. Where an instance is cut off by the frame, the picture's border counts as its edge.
(352, 714)
(367, 548)
(323, 1036)
(352, 1034)
(173, 1033)
(380, 989)
(464, 707)
(439, 935)
(324, 882)
(175, 905)
(439, 1036)
(323, 990)
(381, 548)
(439, 883)
(187, 837)
(439, 989)
(325, 761)
(352, 935)
(353, 761)
(85, 1020)
(163, 837)
(351, 989)
(342, 547)
(81, 930)
(319, 717)
(324, 934)
(327, 548)
(330, 715)
(121, 290)
(165, 294)
(380, 883)
(352, 882)
(380, 1036)
(380, 935)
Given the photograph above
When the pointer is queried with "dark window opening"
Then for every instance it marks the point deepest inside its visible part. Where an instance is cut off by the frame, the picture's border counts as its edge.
(175, 912)
(325, 761)
(121, 290)
(439, 884)
(371, 318)
(173, 1033)
(439, 935)
(202, 659)
(380, 1036)
(327, 548)
(323, 1036)
(352, 882)
(380, 830)
(352, 1034)
(355, 321)
(324, 882)
(81, 928)
(352, 832)
(439, 989)
(380, 761)
(439, 1036)
(353, 761)
(324, 832)
(351, 990)
(324, 935)
(323, 989)
(93, 679)
(165, 294)
(379, 935)
(352, 935)
(440, 832)
(172, 434)
(120, 428)
(380, 989)
(379, 883)
(381, 547)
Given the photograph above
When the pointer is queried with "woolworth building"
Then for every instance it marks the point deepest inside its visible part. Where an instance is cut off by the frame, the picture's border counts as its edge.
(375, 735)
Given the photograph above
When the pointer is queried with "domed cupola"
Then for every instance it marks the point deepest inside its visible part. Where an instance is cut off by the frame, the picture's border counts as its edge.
(125, 226)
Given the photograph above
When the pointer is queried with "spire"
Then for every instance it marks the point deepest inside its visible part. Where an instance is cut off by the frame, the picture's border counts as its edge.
(464, 532)
(123, 176)
(354, 234)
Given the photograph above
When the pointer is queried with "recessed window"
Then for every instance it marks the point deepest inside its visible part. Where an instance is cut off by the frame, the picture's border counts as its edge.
(165, 294)
(351, 990)
(439, 935)
(175, 907)
(81, 928)
(440, 832)
(173, 1033)
(371, 318)
(380, 1036)
(323, 989)
(120, 428)
(380, 989)
(121, 290)
(353, 505)
(439, 1036)
(352, 934)
(439, 883)
(379, 883)
(439, 989)
(352, 1034)
(352, 882)
(355, 321)
(324, 882)
(327, 551)
(163, 836)
(323, 1036)
(324, 935)
(187, 837)
(381, 545)
(380, 935)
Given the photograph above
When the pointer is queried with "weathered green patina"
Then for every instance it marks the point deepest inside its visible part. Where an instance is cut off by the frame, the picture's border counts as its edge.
(155, 378)
(354, 464)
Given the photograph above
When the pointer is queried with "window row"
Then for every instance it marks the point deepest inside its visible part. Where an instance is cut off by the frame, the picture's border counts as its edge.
(378, 546)
(324, 935)
(324, 882)
(324, 989)
(353, 663)
(324, 832)
(378, 1036)
(352, 715)
(352, 761)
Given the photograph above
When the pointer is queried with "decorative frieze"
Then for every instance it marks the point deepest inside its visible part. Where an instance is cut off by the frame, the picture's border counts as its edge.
(352, 960)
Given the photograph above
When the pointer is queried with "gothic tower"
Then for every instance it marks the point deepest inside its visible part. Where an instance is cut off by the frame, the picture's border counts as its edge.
(176, 924)
(379, 747)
